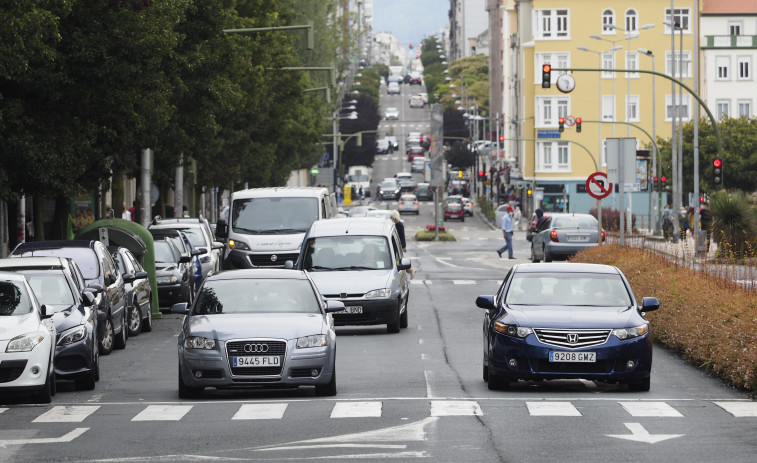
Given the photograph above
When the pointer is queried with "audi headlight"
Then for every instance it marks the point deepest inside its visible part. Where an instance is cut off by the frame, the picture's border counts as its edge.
(198, 342)
(167, 280)
(25, 342)
(241, 245)
(384, 292)
(635, 332)
(72, 335)
(512, 330)
(316, 340)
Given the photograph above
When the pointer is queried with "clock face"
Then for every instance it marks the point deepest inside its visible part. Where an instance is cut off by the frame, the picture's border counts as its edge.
(566, 83)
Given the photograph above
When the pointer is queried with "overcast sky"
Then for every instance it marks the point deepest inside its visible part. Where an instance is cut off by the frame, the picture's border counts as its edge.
(410, 20)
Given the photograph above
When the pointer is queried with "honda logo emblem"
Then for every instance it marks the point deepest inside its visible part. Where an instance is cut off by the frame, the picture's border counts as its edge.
(256, 348)
(572, 338)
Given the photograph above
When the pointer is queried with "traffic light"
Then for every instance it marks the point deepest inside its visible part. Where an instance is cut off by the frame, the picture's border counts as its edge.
(562, 123)
(480, 174)
(501, 138)
(663, 183)
(411, 45)
(578, 125)
(529, 192)
(546, 76)
(655, 185)
(717, 171)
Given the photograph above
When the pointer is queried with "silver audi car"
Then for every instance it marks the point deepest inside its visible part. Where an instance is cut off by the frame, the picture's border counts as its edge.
(261, 328)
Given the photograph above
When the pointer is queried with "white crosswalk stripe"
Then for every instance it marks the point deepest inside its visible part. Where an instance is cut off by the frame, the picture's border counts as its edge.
(552, 409)
(455, 408)
(463, 282)
(260, 412)
(163, 413)
(739, 409)
(356, 409)
(2, 409)
(658, 409)
(67, 414)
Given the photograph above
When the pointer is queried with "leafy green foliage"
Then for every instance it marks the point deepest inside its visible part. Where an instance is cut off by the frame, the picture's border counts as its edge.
(459, 155)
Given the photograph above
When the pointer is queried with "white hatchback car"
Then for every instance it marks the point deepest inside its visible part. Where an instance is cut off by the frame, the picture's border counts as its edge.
(27, 340)
(392, 113)
(408, 203)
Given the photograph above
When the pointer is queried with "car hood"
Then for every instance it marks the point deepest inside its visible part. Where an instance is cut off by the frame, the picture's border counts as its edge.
(259, 325)
(275, 243)
(66, 316)
(571, 317)
(12, 326)
(351, 282)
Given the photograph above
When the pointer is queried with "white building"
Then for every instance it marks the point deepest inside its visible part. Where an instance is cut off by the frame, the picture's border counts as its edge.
(468, 19)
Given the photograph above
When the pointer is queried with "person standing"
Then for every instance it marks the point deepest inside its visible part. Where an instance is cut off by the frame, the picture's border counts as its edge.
(126, 215)
(507, 232)
(705, 221)
(517, 218)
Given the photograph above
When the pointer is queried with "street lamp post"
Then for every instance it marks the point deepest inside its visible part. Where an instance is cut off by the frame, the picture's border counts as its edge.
(676, 144)
(655, 229)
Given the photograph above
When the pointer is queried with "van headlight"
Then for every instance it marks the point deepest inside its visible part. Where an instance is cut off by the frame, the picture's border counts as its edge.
(240, 245)
(316, 340)
(384, 292)
(25, 342)
(72, 335)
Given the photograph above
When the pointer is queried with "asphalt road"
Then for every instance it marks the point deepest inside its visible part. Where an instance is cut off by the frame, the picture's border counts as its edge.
(414, 395)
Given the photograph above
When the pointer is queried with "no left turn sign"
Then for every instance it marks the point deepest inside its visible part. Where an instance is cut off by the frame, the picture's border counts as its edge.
(597, 185)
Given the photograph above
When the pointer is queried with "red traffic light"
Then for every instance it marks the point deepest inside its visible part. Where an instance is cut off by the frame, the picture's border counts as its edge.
(717, 162)
(654, 179)
(562, 120)
(578, 120)
(546, 68)
(663, 179)
(501, 138)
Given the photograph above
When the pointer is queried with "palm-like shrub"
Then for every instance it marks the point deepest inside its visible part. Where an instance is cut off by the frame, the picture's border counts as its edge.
(733, 227)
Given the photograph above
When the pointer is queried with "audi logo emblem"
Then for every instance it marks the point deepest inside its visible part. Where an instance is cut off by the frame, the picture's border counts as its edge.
(274, 258)
(572, 338)
(256, 348)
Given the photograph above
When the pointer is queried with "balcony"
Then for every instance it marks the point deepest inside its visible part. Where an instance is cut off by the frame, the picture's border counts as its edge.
(730, 41)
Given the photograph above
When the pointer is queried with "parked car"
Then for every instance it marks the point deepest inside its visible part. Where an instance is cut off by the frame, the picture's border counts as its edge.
(185, 247)
(201, 236)
(418, 164)
(360, 263)
(359, 211)
(563, 235)
(424, 192)
(257, 328)
(566, 320)
(173, 276)
(454, 210)
(408, 203)
(58, 284)
(393, 88)
(27, 340)
(388, 189)
(382, 146)
(392, 113)
(101, 274)
(382, 213)
(138, 291)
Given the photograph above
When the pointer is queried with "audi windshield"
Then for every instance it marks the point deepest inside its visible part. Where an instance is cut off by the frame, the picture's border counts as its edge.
(256, 296)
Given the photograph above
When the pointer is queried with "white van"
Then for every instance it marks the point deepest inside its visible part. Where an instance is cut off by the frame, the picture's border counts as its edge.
(265, 226)
(360, 177)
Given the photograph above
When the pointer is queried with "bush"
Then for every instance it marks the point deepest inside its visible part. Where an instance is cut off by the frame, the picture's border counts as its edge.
(428, 235)
(733, 227)
(486, 207)
(717, 332)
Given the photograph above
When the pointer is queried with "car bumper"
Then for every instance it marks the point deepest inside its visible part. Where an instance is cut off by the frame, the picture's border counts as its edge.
(247, 259)
(74, 359)
(532, 360)
(296, 370)
(456, 215)
(16, 369)
(413, 210)
(375, 312)
(170, 293)
(567, 249)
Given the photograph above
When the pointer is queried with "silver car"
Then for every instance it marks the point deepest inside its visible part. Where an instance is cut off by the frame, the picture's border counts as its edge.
(260, 328)
(563, 235)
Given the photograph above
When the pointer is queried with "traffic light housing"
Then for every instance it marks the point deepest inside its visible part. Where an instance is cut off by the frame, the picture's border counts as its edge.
(562, 123)
(546, 75)
(663, 183)
(578, 125)
(655, 185)
(717, 171)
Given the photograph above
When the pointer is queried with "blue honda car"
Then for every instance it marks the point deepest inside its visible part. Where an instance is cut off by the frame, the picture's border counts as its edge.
(566, 320)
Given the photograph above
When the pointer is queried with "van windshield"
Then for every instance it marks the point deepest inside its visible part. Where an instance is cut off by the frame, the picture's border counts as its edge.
(274, 215)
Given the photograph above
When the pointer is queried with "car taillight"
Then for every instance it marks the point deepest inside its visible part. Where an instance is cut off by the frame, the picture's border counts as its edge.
(415, 202)
(553, 236)
(603, 236)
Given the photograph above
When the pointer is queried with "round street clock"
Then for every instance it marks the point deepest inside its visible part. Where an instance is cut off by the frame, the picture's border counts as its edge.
(566, 83)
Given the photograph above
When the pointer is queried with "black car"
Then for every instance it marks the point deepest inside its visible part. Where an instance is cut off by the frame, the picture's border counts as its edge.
(59, 285)
(100, 274)
(424, 192)
(174, 280)
(138, 292)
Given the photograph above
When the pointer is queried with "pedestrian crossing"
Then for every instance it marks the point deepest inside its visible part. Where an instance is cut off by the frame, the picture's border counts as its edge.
(373, 409)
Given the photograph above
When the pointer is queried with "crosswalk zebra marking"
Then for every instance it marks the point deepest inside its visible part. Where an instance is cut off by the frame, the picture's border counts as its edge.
(656, 409)
(356, 410)
(273, 411)
(162, 413)
(455, 408)
(739, 409)
(552, 409)
(463, 282)
(66, 414)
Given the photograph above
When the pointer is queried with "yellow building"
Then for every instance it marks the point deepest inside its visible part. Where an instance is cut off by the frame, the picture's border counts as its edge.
(595, 34)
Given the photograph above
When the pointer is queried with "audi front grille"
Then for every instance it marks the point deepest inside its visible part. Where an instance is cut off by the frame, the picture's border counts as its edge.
(256, 347)
(571, 339)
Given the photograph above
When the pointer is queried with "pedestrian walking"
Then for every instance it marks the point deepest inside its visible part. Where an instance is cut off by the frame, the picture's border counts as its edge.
(507, 232)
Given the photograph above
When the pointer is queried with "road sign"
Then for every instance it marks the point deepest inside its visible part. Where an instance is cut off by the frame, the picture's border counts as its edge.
(570, 121)
(597, 185)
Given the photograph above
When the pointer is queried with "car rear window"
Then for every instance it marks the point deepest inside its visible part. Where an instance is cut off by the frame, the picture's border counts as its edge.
(256, 295)
(13, 299)
(574, 222)
(50, 287)
(85, 258)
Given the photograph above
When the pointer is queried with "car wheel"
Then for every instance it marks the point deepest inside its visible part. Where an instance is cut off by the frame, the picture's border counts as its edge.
(45, 395)
(403, 317)
(147, 322)
(497, 382)
(533, 255)
(96, 365)
(640, 386)
(87, 381)
(135, 320)
(120, 340)
(547, 255)
(106, 343)
(486, 373)
(328, 389)
(394, 327)
(188, 392)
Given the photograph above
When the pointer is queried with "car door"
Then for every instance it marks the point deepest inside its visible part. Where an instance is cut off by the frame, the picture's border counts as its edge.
(542, 234)
(141, 285)
(114, 286)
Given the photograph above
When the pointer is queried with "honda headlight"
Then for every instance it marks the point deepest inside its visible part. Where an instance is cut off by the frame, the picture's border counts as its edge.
(635, 332)
(316, 340)
(385, 292)
(512, 330)
(25, 342)
(72, 335)
(198, 342)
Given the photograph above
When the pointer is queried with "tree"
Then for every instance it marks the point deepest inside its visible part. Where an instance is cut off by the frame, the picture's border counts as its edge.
(459, 155)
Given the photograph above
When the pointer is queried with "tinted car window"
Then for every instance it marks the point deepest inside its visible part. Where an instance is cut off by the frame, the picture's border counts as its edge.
(256, 296)
(84, 257)
(13, 300)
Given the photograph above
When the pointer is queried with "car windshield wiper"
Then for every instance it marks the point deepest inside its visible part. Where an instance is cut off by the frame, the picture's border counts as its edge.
(320, 267)
(354, 267)
(276, 231)
(246, 230)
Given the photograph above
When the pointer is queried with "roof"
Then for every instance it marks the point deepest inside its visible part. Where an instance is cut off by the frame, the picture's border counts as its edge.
(258, 273)
(54, 244)
(725, 7)
(351, 226)
(292, 192)
(32, 262)
(565, 267)
(12, 276)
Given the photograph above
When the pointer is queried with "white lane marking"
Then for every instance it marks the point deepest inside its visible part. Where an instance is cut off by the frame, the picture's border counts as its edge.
(428, 375)
(739, 409)
(552, 409)
(639, 434)
(660, 409)
(420, 342)
(66, 414)
(417, 282)
(68, 437)
(3, 409)
(463, 282)
(442, 260)
(260, 412)
(162, 413)
(455, 408)
(424, 357)
(356, 410)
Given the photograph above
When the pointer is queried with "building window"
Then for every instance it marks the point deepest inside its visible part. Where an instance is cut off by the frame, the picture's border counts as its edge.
(744, 70)
(552, 24)
(632, 108)
(558, 60)
(631, 21)
(681, 18)
(723, 108)
(553, 156)
(722, 64)
(673, 63)
(734, 28)
(563, 156)
(745, 108)
(608, 107)
(549, 109)
(608, 62)
(681, 105)
(608, 20)
(632, 62)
